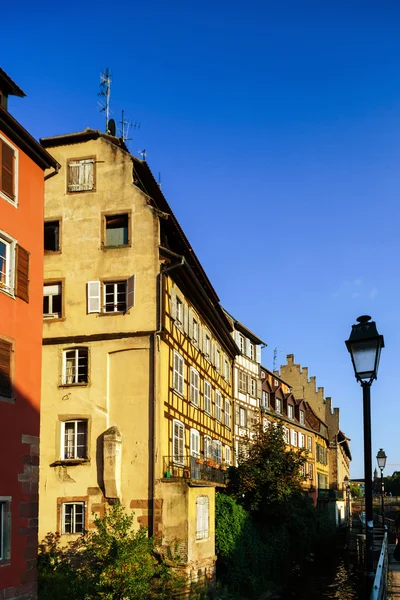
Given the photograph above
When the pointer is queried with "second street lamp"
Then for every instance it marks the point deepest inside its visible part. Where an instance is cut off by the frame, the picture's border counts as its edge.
(381, 458)
(365, 345)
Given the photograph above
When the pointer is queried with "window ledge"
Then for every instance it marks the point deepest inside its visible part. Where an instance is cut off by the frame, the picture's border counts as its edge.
(104, 247)
(52, 320)
(70, 462)
(12, 201)
(114, 313)
(178, 393)
(194, 404)
(8, 292)
(71, 385)
(52, 252)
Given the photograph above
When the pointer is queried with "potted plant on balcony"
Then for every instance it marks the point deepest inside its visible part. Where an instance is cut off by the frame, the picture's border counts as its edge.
(209, 462)
(199, 460)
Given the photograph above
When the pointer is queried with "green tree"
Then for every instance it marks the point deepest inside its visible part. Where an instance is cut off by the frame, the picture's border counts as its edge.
(111, 562)
(355, 491)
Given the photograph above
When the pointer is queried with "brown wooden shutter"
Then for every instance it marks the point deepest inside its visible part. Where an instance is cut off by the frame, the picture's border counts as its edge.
(22, 274)
(7, 170)
(5, 369)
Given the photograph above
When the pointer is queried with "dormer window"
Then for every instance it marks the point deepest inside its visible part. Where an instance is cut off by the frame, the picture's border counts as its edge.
(278, 406)
(302, 417)
(290, 411)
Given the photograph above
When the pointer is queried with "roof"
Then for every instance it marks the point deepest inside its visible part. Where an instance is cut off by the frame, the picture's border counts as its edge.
(23, 139)
(243, 329)
(81, 136)
(8, 86)
(275, 376)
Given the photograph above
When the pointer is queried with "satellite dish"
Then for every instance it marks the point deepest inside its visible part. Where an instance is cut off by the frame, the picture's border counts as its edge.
(111, 127)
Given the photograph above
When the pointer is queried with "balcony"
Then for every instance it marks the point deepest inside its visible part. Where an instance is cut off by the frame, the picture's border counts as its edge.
(198, 470)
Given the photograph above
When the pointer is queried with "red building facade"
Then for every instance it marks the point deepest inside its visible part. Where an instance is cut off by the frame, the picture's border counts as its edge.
(22, 165)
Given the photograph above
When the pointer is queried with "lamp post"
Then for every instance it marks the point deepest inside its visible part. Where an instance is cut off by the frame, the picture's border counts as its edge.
(381, 458)
(365, 345)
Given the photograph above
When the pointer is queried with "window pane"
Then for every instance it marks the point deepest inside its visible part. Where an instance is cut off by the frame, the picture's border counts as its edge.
(51, 235)
(117, 230)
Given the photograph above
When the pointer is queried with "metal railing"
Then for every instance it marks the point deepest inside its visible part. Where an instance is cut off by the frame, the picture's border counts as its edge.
(194, 468)
(379, 588)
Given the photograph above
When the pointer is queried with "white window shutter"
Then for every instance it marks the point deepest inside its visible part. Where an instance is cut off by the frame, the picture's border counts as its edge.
(247, 344)
(130, 292)
(237, 338)
(200, 336)
(93, 297)
(258, 354)
(259, 388)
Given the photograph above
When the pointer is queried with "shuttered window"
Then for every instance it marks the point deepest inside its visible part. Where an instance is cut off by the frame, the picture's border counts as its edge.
(208, 453)
(218, 405)
(7, 170)
(227, 455)
(178, 373)
(242, 381)
(81, 176)
(202, 517)
(227, 413)
(22, 274)
(178, 442)
(194, 443)
(5, 369)
(207, 397)
(194, 386)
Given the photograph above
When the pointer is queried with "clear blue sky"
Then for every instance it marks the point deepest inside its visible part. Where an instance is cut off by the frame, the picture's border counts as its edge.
(275, 126)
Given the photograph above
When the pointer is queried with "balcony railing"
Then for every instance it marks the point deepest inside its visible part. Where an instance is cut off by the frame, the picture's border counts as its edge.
(194, 468)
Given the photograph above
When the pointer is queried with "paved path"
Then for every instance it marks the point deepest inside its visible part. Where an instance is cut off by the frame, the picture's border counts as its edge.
(394, 568)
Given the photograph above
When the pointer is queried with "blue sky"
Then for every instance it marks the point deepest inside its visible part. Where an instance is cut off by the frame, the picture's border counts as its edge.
(275, 127)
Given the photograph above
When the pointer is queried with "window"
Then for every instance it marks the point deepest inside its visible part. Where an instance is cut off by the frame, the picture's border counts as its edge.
(290, 411)
(227, 455)
(75, 366)
(8, 171)
(227, 417)
(178, 373)
(118, 296)
(226, 370)
(321, 454)
(301, 440)
(303, 470)
(52, 236)
(217, 451)
(52, 301)
(207, 397)
(207, 345)
(81, 175)
(6, 389)
(194, 443)
(5, 528)
(73, 517)
(278, 406)
(178, 442)
(74, 438)
(242, 381)
(302, 417)
(242, 344)
(286, 435)
(251, 351)
(311, 471)
(116, 230)
(242, 417)
(202, 517)
(195, 331)
(264, 399)
(218, 405)
(8, 274)
(253, 387)
(179, 311)
(309, 443)
(208, 452)
(194, 386)
(217, 359)
(293, 435)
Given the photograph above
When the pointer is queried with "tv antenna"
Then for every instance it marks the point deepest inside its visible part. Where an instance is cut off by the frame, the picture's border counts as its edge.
(125, 127)
(159, 180)
(143, 154)
(276, 352)
(105, 91)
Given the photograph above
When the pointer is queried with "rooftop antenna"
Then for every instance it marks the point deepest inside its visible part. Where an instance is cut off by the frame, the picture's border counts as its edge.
(125, 127)
(105, 91)
(276, 352)
(159, 180)
(142, 154)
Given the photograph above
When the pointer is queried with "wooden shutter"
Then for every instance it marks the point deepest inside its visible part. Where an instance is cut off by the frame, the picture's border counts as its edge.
(93, 297)
(259, 389)
(258, 354)
(179, 442)
(22, 274)
(5, 369)
(7, 170)
(130, 292)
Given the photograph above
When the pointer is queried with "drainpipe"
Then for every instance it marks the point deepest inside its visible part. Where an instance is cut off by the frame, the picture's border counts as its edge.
(156, 336)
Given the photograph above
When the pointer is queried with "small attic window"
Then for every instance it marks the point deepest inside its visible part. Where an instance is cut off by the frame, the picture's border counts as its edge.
(81, 175)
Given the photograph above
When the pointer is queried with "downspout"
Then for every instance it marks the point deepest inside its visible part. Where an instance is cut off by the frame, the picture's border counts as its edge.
(55, 172)
(156, 337)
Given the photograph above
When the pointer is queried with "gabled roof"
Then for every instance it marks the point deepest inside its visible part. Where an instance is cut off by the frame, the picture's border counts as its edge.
(81, 136)
(275, 376)
(243, 329)
(8, 86)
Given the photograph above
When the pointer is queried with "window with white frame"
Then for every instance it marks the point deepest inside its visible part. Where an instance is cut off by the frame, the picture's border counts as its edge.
(207, 447)
(301, 418)
(73, 517)
(111, 296)
(290, 411)
(242, 417)
(178, 373)
(74, 439)
(75, 366)
(7, 263)
(5, 528)
(278, 406)
(226, 369)
(81, 175)
(311, 471)
(8, 171)
(303, 470)
(207, 397)
(227, 417)
(194, 386)
(253, 387)
(218, 405)
(293, 434)
(286, 433)
(178, 442)
(52, 300)
(264, 399)
(207, 345)
(242, 344)
(301, 440)
(227, 455)
(251, 351)
(309, 443)
(202, 517)
(195, 331)
(217, 451)
(114, 296)
(179, 311)
(217, 359)
(194, 443)
(242, 381)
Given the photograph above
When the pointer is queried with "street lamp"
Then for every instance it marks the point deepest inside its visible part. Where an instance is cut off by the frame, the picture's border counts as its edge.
(365, 345)
(381, 458)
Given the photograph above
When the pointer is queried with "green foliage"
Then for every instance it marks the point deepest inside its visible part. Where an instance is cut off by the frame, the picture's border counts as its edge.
(392, 484)
(112, 562)
(355, 491)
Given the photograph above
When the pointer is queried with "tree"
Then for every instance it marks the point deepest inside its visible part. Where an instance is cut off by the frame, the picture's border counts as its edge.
(355, 491)
(111, 562)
